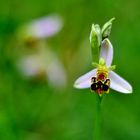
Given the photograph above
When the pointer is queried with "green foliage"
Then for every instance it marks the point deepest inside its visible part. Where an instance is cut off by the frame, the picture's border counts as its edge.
(30, 109)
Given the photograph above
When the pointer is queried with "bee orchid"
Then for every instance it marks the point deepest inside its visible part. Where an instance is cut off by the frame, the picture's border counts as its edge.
(102, 78)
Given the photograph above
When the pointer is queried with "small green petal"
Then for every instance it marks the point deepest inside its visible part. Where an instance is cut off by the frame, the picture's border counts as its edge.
(94, 64)
(112, 67)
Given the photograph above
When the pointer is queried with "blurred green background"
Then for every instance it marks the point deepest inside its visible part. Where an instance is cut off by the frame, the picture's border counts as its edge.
(35, 111)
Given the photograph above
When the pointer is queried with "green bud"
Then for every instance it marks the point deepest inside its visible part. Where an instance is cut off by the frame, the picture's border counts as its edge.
(95, 41)
(106, 29)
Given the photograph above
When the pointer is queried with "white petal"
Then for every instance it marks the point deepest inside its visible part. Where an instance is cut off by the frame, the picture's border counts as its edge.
(107, 52)
(85, 80)
(56, 73)
(44, 27)
(119, 84)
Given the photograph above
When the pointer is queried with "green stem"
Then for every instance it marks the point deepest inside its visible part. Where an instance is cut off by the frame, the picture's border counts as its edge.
(97, 132)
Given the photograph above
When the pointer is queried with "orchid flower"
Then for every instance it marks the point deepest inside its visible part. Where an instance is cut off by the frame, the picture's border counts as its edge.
(102, 78)
(44, 63)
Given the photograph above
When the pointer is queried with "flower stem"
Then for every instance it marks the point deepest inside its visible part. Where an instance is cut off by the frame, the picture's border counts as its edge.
(97, 129)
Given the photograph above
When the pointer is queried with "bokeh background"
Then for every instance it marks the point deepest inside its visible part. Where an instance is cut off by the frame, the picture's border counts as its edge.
(31, 109)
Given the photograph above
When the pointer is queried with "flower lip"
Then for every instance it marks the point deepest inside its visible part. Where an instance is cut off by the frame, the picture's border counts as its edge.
(100, 86)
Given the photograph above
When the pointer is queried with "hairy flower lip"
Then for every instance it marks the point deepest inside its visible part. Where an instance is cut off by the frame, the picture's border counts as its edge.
(117, 82)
